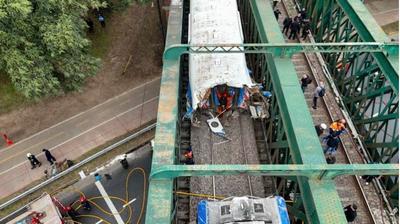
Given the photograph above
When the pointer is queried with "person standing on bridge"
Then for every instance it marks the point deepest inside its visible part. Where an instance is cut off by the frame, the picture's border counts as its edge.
(318, 92)
(305, 80)
(277, 12)
(49, 156)
(294, 29)
(286, 24)
(350, 212)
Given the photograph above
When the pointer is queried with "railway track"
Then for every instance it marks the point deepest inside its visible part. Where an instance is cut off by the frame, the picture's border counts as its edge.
(350, 188)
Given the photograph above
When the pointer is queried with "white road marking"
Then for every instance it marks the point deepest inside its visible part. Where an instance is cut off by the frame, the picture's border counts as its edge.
(129, 202)
(82, 174)
(118, 115)
(98, 105)
(109, 203)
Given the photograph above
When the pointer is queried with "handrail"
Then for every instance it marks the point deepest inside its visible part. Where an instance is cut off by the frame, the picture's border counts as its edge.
(76, 166)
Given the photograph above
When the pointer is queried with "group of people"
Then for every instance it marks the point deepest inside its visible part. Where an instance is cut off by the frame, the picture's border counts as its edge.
(332, 140)
(296, 24)
(36, 163)
(318, 92)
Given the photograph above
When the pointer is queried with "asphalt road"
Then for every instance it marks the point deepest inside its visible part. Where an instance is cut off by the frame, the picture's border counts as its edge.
(126, 185)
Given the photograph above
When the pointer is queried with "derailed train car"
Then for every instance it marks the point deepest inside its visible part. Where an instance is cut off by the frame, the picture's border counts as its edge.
(217, 81)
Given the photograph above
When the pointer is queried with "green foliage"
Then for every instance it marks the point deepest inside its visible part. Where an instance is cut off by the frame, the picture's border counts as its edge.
(43, 48)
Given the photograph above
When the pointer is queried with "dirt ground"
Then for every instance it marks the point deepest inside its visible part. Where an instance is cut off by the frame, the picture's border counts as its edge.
(134, 31)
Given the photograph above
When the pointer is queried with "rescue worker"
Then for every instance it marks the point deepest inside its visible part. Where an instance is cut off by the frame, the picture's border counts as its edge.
(277, 12)
(337, 127)
(33, 160)
(224, 99)
(71, 211)
(85, 203)
(320, 128)
(189, 156)
(305, 80)
(294, 29)
(350, 212)
(331, 145)
(306, 29)
(318, 92)
(286, 24)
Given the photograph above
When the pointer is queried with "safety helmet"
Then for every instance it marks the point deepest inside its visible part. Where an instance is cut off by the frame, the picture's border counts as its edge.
(323, 126)
(28, 154)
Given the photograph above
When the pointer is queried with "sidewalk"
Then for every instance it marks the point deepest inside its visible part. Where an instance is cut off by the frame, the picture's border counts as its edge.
(77, 135)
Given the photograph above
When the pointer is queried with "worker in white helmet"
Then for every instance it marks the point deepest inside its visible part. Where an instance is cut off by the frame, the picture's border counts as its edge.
(33, 160)
(320, 128)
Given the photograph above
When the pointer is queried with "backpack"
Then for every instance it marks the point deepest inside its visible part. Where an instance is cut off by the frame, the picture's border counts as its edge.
(321, 92)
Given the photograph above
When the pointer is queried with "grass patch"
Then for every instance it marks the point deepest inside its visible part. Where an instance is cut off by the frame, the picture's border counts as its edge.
(100, 39)
(9, 97)
(391, 28)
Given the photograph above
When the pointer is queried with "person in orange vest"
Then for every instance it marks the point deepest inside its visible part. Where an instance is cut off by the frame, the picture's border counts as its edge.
(336, 129)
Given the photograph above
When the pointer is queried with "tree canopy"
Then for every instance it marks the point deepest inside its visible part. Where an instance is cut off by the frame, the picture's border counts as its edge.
(43, 48)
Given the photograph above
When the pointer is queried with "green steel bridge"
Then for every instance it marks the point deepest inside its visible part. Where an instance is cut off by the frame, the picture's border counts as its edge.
(347, 36)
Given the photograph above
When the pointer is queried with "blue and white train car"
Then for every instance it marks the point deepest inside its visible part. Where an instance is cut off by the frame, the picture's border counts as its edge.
(249, 210)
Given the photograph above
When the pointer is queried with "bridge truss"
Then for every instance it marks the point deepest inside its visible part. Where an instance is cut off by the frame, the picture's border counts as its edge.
(364, 68)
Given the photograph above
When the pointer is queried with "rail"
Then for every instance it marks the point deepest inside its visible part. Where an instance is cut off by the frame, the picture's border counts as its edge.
(76, 166)
(359, 144)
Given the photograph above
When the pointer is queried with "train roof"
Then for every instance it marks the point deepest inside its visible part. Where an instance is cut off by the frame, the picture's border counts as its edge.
(244, 209)
(215, 22)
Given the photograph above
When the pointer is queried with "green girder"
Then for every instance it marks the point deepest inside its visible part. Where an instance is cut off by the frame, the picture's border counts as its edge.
(318, 193)
(281, 49)
(315, 171)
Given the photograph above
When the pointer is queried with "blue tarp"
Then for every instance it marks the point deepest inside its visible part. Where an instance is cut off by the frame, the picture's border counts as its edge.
(283, 213)
(189, 108)
(202, 212)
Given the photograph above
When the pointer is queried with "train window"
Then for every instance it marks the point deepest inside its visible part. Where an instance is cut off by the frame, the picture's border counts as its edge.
(258, 208)
(225, 210)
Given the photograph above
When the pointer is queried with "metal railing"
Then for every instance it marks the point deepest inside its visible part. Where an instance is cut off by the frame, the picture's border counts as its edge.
(76, 166)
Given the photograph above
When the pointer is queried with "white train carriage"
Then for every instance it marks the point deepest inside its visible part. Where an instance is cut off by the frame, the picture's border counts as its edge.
(215, 22)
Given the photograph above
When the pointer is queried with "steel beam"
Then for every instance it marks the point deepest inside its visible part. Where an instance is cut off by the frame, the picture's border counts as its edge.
(370, 31)
(282, 49)
(159, 203)
(314, 171)
(303, 143)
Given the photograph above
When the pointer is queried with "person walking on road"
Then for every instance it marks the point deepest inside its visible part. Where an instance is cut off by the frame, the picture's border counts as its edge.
(318, 92)
(350, 212)
(33, 160)
(49, 156)
(286, 24)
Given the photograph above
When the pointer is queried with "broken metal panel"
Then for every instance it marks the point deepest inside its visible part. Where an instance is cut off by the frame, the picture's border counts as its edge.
(215, 22)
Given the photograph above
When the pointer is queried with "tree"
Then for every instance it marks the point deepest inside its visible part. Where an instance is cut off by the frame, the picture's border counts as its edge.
(43, 48)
